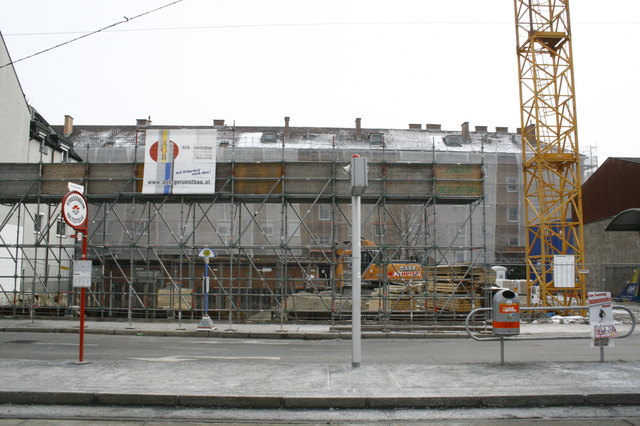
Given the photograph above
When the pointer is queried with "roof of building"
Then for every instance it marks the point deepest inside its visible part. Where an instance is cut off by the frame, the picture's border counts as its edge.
(311, 138)
(611, 189)
(628, 220)
(40, 129)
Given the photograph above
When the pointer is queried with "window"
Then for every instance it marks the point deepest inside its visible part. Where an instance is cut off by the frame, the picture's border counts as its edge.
(378, 229)
(37, 223)
(324, 240)
(512, 184)
(187, 229)
(513, 214)
(140, 228)
(224, 229)
(267, 228)
(106, 227)
(376, 138)
(461, 257)
(324, 212)
(293, 229)
(64, 157)
(61, 227)
(514, 241)
(269, 137)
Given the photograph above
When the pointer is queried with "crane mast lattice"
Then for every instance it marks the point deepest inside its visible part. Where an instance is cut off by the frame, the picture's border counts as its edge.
(550, 155)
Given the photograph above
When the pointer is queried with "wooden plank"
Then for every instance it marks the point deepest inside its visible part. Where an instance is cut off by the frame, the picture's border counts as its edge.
(19, 179)
(457, 171)
(56, 176)
(258, 178)
(111, 178)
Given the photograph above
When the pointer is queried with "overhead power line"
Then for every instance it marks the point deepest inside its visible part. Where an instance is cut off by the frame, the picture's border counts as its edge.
(125, 20)
(311, 24)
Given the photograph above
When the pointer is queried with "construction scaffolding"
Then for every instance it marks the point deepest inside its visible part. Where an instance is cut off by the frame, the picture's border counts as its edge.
(278, 223)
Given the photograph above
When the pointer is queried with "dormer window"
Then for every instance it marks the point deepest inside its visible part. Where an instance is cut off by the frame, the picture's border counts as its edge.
(453, 140)
(269, 137)
(376, 138)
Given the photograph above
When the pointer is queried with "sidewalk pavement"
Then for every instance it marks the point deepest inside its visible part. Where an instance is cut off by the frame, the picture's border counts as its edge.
(306, 331)
(201, 383)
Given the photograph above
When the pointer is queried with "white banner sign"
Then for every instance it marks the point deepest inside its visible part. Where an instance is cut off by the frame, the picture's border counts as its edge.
(564, 271)
(181, 161)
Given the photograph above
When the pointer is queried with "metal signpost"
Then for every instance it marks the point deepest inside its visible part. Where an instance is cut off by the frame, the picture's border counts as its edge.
(603, 327)
(205, 323)
(76, 214)
(359, 182)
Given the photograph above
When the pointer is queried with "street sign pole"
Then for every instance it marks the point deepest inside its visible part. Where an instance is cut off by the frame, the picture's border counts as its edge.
(76, 214)
(83, 296)
(205, 323)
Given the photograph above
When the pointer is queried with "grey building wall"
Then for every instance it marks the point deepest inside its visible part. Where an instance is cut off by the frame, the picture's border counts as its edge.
(610, 256)
(14, 113)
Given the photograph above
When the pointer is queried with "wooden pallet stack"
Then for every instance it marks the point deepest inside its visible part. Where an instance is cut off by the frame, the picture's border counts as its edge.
(455, 288)
(400, 298)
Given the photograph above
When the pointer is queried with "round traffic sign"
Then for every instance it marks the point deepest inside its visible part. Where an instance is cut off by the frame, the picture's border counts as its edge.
(206, 253)
(74, 209)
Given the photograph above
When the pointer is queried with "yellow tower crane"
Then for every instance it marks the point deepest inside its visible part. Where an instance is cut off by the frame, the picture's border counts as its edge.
(550, 156)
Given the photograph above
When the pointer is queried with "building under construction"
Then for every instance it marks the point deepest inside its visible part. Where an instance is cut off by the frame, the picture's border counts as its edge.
(441, 208)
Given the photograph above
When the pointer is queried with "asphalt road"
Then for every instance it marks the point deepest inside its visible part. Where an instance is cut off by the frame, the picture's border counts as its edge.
(61, 346)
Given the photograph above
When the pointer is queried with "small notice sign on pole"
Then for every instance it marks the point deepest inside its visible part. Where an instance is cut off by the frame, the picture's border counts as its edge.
(82, 273)
(603, 326)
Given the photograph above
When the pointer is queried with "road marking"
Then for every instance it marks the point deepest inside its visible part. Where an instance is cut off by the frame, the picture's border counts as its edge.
(194, 358)
(237, 342)
(322, 349)
(64, 344)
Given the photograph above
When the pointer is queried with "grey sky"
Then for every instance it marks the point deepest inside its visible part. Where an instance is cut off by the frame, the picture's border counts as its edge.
(323, 63)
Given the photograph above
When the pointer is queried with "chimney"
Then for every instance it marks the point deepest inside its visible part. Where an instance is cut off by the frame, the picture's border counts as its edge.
(466, 136)
(218, 122)
(358, 129)
(68, 125)
(415, 126)
(434, 127)
(286, 127)
(143, 122)
(481, 129)
(502, 130)
(529, 134)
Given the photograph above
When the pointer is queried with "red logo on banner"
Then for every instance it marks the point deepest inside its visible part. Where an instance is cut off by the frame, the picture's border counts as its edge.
(155, 147)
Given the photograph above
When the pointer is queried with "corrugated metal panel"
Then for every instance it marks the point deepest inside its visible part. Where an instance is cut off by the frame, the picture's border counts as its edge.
(612, 188)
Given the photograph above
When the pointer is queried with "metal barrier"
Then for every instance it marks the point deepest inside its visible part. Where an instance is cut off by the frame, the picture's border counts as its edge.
(501, 339)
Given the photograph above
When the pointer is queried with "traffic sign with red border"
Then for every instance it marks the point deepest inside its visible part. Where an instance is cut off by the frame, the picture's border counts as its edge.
(75, 210)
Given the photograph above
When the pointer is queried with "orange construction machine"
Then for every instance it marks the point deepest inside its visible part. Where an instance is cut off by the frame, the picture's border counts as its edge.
(375, 270)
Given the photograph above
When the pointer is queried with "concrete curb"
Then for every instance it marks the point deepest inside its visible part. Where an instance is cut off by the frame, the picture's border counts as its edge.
(292, 402)
(295, 335)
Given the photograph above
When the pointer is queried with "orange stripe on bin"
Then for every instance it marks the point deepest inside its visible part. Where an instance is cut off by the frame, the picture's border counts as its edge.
(505, 324)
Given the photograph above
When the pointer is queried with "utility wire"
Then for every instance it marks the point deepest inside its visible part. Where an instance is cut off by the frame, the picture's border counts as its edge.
(125, 20)
(316, 24)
